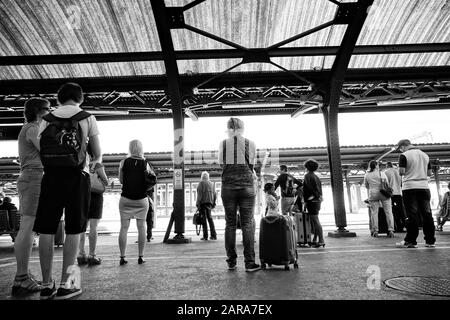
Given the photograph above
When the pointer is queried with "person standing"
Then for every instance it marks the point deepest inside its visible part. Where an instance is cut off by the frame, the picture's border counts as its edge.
(287, 184)
(94, 216)
(414, 167)
(206, 201)
(312, 195)
(237, 156)
(373, 180)
(29, 189)
(398, 210)
(64, 135)
(444, 212)
(133, 202)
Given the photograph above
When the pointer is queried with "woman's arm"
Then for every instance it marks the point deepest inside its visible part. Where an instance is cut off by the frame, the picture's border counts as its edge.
(121, 172)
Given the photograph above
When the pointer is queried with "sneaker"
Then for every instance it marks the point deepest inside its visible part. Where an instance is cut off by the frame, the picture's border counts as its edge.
(252, 267)
(25, 285)
(93, 261)
(375, 234)
(404, 244)
(64, 293)
(232, 265)
(204, 239)
(48, 292)
(430, 245)
(390, 234)
(212, 238)
(82, 260)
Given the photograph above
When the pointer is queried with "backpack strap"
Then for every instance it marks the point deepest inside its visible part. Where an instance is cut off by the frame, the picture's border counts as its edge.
(50, 117)
(81, 116)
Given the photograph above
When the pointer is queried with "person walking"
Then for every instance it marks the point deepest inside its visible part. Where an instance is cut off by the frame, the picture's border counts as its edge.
(133, 202)
(312, 195)
(288, 185)
(373, 180)
(65, 186)
(398, 210)
(414, 167)
(94, 216)
(206, 201)
(237, 156)
(29, 189)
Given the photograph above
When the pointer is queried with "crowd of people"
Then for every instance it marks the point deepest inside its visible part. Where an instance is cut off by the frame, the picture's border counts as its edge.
(61, 165)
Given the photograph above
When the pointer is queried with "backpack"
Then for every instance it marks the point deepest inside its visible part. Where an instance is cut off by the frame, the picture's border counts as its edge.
(289, 187)
(62, 143)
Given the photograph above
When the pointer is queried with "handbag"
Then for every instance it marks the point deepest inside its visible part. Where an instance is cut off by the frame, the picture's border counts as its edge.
(385, 189)
(198, 219)
(97, 185)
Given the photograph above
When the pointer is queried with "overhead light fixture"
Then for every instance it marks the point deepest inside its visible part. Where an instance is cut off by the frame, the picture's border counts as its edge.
(191, 114)
(407, 101)
(305, 107)
(253, 105)
(108, 112)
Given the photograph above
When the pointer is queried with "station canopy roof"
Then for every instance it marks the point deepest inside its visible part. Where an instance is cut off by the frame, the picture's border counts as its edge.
(401, 60)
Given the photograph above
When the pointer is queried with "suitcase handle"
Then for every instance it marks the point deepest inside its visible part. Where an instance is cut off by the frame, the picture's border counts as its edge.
(272, 218)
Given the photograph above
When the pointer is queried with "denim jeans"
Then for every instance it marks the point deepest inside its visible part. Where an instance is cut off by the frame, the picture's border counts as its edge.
(206, 208)
(286, 204)
(244, 199)
(398, 210)
(417, 205)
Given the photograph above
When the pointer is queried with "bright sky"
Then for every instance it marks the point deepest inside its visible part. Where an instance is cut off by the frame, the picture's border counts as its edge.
(273, 131)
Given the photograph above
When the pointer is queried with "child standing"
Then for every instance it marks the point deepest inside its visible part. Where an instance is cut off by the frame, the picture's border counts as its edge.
(271, 199)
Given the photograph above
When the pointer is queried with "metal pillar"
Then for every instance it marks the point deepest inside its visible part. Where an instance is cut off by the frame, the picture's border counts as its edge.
(162, 16)
(349, 192)
(353, 14)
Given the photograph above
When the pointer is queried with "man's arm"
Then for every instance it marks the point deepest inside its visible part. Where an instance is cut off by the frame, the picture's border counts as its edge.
(199, 195)
(402, 165)
(429, 170)
(95, 147)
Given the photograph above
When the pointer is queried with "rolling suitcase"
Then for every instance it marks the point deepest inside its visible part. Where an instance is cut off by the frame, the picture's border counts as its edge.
(277, 242)
(303, 228)
(59, 236)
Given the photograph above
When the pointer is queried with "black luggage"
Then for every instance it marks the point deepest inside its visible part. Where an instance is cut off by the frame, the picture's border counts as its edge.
(59, 236)
(277, 242)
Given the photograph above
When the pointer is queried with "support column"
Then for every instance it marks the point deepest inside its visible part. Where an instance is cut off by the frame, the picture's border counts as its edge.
(353, 14)
(164, 21)
(349, 192)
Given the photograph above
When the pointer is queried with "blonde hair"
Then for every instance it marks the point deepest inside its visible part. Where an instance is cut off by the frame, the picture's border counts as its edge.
(136, 149)
(235, 126)
(205, 175)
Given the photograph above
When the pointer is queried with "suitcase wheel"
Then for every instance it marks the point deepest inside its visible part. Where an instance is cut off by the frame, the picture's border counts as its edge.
(286, 268)
(295, 265)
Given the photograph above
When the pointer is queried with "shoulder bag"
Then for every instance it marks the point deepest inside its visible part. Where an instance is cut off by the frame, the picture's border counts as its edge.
(385, 189)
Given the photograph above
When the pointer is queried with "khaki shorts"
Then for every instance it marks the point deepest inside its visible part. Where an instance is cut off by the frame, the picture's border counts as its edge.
(29, 189)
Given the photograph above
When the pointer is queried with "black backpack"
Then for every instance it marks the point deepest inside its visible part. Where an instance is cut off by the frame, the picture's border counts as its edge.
(62, 143)
(288, 189)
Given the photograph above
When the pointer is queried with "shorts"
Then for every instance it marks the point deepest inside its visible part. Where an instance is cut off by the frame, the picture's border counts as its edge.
(29, 189)
(96, 206)
(65, 191)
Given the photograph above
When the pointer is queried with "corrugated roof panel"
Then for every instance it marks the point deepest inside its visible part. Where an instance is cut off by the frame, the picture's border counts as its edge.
(400, 60)
(406, 21)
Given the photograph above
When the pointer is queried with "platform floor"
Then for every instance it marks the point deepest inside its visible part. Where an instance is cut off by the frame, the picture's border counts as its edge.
(343, 270)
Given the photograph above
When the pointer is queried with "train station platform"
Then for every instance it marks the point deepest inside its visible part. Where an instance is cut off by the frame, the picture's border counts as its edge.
(346, 269)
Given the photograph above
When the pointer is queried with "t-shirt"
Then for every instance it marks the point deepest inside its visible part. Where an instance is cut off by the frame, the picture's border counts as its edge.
(395, 181)
(416, 164)
(28, 153)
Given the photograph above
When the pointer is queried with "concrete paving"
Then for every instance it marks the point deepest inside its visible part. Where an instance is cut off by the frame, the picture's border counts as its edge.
(346, 269)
